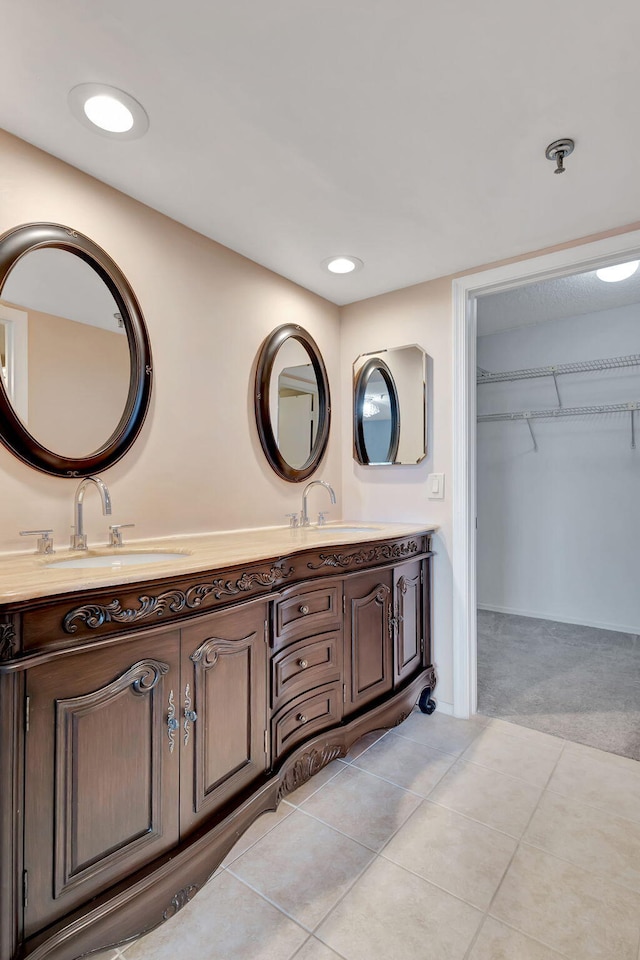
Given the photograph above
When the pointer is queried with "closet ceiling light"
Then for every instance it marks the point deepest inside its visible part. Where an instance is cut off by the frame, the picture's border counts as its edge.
(108, 111)
(621, 271)
(343, 264)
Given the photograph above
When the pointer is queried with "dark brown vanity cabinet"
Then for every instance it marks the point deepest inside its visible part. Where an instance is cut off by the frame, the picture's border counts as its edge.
(146, 725)
(101, 771)
(129, 748)
(368, 631)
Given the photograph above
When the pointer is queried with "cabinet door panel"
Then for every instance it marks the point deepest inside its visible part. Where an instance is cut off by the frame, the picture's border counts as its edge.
(101, 777)
(368, 654)
(224, 679)
(408, 619)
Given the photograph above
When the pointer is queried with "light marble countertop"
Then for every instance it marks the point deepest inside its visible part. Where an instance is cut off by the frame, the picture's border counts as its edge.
(27, 576)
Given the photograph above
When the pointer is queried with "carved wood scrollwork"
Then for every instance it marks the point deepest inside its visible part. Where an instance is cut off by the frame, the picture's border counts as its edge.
(392, 551)
(431, 679)
(7, 640)
(180, 900)
(208, 652)
(307, 766)
(94, 615)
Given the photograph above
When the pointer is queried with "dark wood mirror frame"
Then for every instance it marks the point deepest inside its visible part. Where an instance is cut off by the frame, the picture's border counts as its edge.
(264, 369)
(15, 244)
(374, 365)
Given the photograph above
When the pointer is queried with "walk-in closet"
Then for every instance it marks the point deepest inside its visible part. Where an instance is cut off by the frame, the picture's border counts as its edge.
(558, 468)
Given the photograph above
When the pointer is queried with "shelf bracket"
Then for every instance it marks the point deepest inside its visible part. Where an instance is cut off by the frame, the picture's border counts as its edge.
(533, 437)
(555, 383)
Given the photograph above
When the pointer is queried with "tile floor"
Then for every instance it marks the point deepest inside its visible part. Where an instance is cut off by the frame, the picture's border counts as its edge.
(444, 838)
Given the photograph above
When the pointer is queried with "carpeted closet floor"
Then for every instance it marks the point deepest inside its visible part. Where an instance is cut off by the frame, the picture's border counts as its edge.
(575, 682)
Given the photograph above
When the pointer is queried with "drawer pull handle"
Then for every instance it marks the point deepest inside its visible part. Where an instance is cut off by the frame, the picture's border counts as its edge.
(301, 718)
(304, 609)
(303, 664)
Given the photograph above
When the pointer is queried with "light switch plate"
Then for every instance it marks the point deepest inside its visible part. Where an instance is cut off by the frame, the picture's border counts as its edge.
(435, 486)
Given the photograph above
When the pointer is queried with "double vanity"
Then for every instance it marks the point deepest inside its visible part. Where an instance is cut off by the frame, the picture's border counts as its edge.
(156, 698)
(152, 711)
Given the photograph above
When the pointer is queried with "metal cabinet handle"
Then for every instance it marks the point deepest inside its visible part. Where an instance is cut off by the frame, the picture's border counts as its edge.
(172, 723)
(303, 608)
(190, 716)
(303, 664)
(301, 718)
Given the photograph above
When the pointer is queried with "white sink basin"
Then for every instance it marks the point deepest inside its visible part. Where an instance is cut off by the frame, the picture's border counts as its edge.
(114, 560)
(344, 528)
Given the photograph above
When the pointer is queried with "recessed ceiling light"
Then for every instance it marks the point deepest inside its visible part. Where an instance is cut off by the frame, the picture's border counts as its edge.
(621, 271)
(342, 264)
(108, 111)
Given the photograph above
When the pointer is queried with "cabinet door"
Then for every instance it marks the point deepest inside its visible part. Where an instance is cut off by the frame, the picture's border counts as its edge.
(224, 709)
(101, 771)
(368, 655)
(408, 618)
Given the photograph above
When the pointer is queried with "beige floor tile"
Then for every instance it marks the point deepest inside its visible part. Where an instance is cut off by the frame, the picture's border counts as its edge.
(363, 744)
(390, 914)
(488, 796)
(568, 909)
(463, 857)
(364, 807)
(106, 955)
(303, 866)
(527, 733)
(497, 942)
(609, 846)
(601, 779)
(314, 950)
(441, 731)
(302, 793)
(406, 763)
(506, 754)
(225, 921)
(257, 830)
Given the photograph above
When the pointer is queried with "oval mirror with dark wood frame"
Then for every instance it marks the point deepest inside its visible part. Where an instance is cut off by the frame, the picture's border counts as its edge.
(126, 391)
(376, 424)
(292, 402)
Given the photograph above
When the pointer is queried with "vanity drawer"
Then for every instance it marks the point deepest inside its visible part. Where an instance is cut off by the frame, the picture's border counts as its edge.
(306, 715)
(305, 665)
(303, 613)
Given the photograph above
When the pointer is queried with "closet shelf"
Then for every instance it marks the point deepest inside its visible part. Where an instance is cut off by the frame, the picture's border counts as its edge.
(581, 366)
(555, 412)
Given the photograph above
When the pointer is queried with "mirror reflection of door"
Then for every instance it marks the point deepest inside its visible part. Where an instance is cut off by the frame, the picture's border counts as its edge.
(294, 403)
(78, 352)
(377, 425)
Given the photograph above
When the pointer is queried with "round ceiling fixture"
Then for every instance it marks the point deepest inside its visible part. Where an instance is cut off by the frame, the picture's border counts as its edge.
(620, 271)
(342, 264)
(108, 111)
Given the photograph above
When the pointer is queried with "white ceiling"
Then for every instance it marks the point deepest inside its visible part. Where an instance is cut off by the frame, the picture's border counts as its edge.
(409, 133)
(555, 299)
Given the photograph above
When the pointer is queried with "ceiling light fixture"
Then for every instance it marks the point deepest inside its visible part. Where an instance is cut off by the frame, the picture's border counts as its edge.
(621, 271)
(108, 111)
(342, 264)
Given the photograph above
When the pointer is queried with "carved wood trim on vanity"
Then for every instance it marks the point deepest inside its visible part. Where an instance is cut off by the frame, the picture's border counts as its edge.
(166, 645)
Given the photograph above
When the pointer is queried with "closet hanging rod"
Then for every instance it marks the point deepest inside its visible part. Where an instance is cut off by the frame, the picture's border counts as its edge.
(554, 413)
(579, 366)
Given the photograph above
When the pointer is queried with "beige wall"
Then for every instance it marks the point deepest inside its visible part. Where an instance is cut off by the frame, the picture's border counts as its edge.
(78, 383)
(197, 464)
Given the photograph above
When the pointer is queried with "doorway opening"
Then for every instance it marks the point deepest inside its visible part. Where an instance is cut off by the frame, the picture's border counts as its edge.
(468, 293)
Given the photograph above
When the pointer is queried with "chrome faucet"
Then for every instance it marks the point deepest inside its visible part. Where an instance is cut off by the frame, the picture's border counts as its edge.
(79, 537)
(304, 513)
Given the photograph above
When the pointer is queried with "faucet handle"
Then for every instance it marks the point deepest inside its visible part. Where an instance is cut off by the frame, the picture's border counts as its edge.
(293, 519)
(322, 517)
(44, 543)
(115, 533)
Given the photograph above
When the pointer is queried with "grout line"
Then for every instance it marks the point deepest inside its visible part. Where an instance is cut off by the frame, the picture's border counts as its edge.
(512, 858)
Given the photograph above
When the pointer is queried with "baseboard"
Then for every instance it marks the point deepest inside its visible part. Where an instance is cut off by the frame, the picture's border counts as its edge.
(442, 707)
(617, 627)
